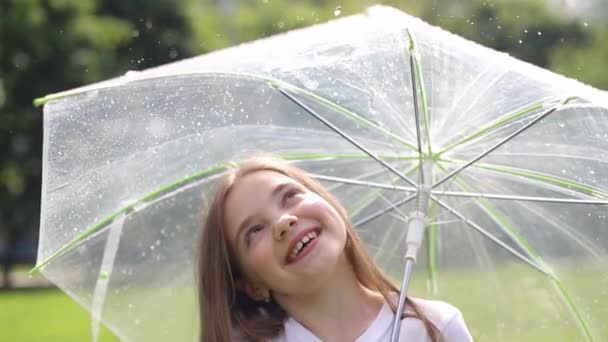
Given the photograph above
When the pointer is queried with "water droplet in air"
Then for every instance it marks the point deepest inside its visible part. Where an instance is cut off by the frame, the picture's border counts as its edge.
(526, 31)
(520, 41)
(562, 125)
(585, 24)
(591, 172)
(539, 33)
(338, 11)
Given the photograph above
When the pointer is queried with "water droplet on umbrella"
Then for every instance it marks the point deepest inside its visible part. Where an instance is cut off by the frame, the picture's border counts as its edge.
(338, 11)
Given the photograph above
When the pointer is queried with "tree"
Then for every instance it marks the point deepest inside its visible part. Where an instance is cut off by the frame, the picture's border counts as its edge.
(53, 45)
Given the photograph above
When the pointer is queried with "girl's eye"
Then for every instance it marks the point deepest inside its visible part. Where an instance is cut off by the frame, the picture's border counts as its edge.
(252, 232)
(290, 194)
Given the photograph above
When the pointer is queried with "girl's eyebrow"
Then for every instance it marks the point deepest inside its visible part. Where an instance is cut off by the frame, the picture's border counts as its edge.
(278, 189)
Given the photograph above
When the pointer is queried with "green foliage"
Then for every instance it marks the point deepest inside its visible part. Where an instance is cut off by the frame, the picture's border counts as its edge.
(587, 63)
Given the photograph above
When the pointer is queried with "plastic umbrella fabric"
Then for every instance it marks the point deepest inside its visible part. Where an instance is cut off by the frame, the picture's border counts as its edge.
(513, 160)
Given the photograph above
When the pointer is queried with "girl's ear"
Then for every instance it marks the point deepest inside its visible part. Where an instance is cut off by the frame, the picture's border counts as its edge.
(257, 293)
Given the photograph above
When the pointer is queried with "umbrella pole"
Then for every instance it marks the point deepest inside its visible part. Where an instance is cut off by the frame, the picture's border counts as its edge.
(415, 235)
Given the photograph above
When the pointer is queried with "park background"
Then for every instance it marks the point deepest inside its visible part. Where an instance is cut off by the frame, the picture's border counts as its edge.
(47, 46)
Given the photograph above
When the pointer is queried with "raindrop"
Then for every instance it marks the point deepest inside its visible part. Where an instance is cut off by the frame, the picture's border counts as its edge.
(562, 125)
(499, 27)
(526, 31)
(338, 11)
(591, 172)
(520, 41)
(137, 321)
(130, 306)
(585, 24)
(539, 33)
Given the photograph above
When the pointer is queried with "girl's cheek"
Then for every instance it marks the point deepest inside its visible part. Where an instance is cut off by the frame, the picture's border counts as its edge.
(262, 256)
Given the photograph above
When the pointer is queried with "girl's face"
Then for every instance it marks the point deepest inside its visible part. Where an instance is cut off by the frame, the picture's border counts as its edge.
(286, 238)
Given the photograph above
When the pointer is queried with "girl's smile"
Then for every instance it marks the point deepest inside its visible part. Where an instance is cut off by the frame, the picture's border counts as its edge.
(302, 244)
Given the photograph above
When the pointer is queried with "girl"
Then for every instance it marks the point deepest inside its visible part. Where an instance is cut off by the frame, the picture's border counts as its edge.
(279, 260)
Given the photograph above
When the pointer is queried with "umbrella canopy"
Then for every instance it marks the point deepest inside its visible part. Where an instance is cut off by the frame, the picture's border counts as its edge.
(514, 159)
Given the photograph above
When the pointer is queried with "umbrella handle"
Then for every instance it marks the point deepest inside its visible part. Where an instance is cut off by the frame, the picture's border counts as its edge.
(415, 234)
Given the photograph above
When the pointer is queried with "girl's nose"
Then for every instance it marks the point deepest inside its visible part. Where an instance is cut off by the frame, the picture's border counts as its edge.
(283, 225)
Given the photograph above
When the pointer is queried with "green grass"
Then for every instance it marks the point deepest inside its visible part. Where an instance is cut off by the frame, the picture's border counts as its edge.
(45, 315)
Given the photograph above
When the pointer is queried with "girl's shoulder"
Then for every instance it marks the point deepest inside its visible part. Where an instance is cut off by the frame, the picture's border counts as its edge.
(438, 312)
(446, 317)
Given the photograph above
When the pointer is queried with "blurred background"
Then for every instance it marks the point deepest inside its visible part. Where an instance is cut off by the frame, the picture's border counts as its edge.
(47, 46)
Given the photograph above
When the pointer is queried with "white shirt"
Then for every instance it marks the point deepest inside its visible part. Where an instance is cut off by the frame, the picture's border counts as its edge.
(447, 319)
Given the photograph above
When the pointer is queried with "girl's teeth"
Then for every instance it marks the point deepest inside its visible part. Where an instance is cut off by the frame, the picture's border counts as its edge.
(296, 250)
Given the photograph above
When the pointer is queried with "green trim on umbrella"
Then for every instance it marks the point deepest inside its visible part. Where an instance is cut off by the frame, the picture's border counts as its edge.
(154, 194)
(350, 114)
(431, 242)
(539, 176)
(498, 123)
(507, 227)
(127, 209)
(423, 97)
(51, 97)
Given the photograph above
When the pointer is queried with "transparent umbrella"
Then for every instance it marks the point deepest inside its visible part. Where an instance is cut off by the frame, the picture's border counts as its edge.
(503, 162)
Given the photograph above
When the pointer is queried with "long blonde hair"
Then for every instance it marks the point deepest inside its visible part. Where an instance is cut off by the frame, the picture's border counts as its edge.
(227, 314)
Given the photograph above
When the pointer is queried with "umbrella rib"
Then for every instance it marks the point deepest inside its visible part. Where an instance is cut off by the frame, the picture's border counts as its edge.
(519, 198)
(502, 142)
(276, 84)
(362, 183)
(380, 212)
(562, 183)
(343, 134)
(461, 194)
(489, 235)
